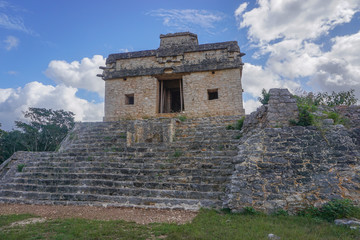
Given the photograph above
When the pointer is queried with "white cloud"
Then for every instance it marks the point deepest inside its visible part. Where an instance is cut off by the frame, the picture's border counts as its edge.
(339, 69)
(78, 74)
(296, 19)
(255, 78)
(293, 58)
(12, 72)
(34, 94)
(187, 18)
(11, 42)
(124, 50)
(251, 105)
(9, 18)
(286, 34)
(239, 11)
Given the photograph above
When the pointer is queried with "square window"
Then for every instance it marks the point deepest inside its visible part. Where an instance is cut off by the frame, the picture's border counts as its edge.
(129, 99)
(213, 94)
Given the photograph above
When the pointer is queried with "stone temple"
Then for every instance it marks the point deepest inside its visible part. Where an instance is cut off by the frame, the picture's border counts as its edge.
(145, 155)
(181, 76)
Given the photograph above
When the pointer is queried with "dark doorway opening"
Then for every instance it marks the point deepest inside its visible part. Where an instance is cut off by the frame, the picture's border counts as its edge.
(171, 96)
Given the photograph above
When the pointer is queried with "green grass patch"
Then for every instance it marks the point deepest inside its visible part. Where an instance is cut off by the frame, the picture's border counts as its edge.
(182, 118)
(237, 126)
(177, 153)
(78, 229)
(8, 219)
(122, 135)
(20, 167)
(209, 224)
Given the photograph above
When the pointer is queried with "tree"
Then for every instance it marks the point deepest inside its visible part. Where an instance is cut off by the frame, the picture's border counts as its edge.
(11, 142)
(265, 97)
(44, 131)
(46, 128)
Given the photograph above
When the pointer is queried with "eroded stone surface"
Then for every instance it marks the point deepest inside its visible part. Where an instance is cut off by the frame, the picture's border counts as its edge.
(278, 112)
(194, 69)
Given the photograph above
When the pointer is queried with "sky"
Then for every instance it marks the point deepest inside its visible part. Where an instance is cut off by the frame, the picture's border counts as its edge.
(50, 51)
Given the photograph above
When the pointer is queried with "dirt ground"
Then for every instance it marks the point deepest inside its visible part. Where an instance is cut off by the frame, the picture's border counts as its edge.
(138, 215)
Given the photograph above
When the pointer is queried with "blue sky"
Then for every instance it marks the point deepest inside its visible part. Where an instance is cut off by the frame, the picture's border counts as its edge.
(50, 50)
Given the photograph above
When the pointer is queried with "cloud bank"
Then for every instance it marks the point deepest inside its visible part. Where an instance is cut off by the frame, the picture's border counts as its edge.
(285, 33)
(78, 74)
(70, 77)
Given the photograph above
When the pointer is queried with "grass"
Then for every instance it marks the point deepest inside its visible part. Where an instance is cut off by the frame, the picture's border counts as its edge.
(20, 167)
(177, 153)
(209, 224)
(7, 219)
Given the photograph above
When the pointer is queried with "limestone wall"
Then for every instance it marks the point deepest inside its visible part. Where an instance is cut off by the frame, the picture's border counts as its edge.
(289, 167)
(228, 83)
(280, 109)
(145, 98)
(195, 91)
(200, 66)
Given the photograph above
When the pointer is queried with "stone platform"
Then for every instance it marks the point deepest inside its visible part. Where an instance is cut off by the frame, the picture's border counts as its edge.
(157, 163)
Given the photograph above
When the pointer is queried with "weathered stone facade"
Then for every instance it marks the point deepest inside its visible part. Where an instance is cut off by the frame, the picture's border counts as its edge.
(180, 76)
(278, 112)
(194, 163)
(292, 167)
(289, 167)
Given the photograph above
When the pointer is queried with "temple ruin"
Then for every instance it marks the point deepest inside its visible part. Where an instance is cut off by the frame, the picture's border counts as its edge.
(181, 76)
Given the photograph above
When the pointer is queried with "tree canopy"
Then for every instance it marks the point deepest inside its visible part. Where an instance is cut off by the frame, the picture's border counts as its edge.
(44, 131)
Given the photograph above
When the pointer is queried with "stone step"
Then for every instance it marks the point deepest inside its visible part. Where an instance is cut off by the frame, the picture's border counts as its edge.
(131, 171)
(109, 191)
(90, 156)
(138, 163)
(121, 184)
(107, 201)
(128, 177)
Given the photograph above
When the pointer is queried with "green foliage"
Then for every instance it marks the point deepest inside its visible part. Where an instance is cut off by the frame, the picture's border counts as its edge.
(265, 97)
(226, 210)
(177, 153)
(238, 136)
(11, 142)
(306, 118)
(20, 167)
(334, 99)
(122, 135)
(237, 126)
(249, 211)
(73, 136)
(182, 118)
(230, 127)
(280, 212)
(338, 119)
(339, 208)
(239, 123)
(308, 103)
(46, 128)
(44, 131)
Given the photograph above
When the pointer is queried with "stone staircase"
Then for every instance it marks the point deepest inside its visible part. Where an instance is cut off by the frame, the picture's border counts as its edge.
(111, 164)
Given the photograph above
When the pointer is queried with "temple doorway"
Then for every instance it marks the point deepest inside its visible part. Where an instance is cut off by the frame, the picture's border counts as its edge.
(171, 98)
